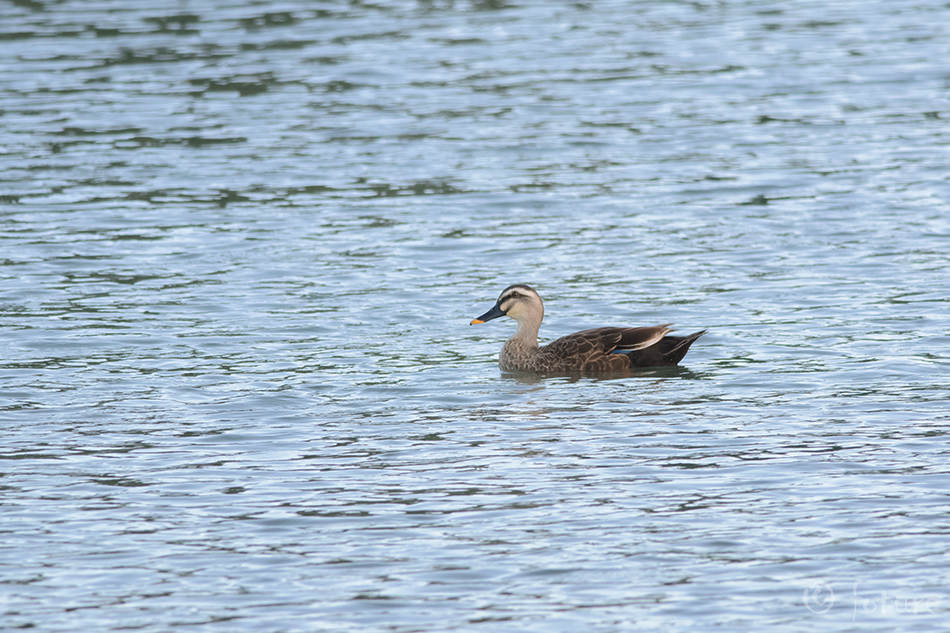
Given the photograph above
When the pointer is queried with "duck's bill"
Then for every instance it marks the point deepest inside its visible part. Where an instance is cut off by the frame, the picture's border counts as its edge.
(494, 313)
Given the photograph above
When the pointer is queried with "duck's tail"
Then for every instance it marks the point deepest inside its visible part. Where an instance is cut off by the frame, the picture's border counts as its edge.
(670, 350)
(678, 346)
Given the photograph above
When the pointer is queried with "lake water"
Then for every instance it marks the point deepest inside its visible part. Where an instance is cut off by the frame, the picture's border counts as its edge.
(241, 243)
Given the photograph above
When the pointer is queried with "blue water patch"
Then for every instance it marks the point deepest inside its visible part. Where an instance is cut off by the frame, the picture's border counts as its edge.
(241, 246)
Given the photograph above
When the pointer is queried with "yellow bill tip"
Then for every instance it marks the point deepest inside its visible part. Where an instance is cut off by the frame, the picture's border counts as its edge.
(474, 321)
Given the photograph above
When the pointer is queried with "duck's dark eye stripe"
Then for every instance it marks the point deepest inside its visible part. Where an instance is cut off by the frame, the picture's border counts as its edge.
(510, 295)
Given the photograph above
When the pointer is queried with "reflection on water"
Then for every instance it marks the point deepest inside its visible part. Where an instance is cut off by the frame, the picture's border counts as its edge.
(682, 373)
(241, 245)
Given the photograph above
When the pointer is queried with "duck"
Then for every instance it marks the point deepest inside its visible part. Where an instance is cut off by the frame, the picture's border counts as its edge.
(600, 350)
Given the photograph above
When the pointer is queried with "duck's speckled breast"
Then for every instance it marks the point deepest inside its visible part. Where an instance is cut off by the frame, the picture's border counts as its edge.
(516, 356)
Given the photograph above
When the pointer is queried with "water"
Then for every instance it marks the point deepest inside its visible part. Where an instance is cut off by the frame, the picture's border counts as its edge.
(241, 245)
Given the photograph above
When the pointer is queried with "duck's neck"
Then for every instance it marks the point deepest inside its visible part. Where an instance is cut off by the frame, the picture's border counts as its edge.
(519, 353)
(526, 336)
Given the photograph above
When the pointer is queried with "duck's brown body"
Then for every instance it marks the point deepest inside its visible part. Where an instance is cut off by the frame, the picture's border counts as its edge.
(593, 351)
(601, 350)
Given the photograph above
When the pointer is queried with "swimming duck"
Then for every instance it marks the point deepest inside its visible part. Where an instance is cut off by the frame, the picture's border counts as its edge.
(601, 350)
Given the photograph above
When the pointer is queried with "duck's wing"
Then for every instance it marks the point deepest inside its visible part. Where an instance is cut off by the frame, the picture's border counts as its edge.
(630, 339)
(606, 340)
(615, 349)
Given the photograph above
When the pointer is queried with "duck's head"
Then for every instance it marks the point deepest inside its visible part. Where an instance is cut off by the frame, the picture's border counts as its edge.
(520, 302)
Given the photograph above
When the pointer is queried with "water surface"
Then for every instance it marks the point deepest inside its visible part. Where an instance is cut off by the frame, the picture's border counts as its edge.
(240, 245)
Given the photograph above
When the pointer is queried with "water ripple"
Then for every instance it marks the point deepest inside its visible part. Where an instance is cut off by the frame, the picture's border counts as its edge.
(241, 248)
